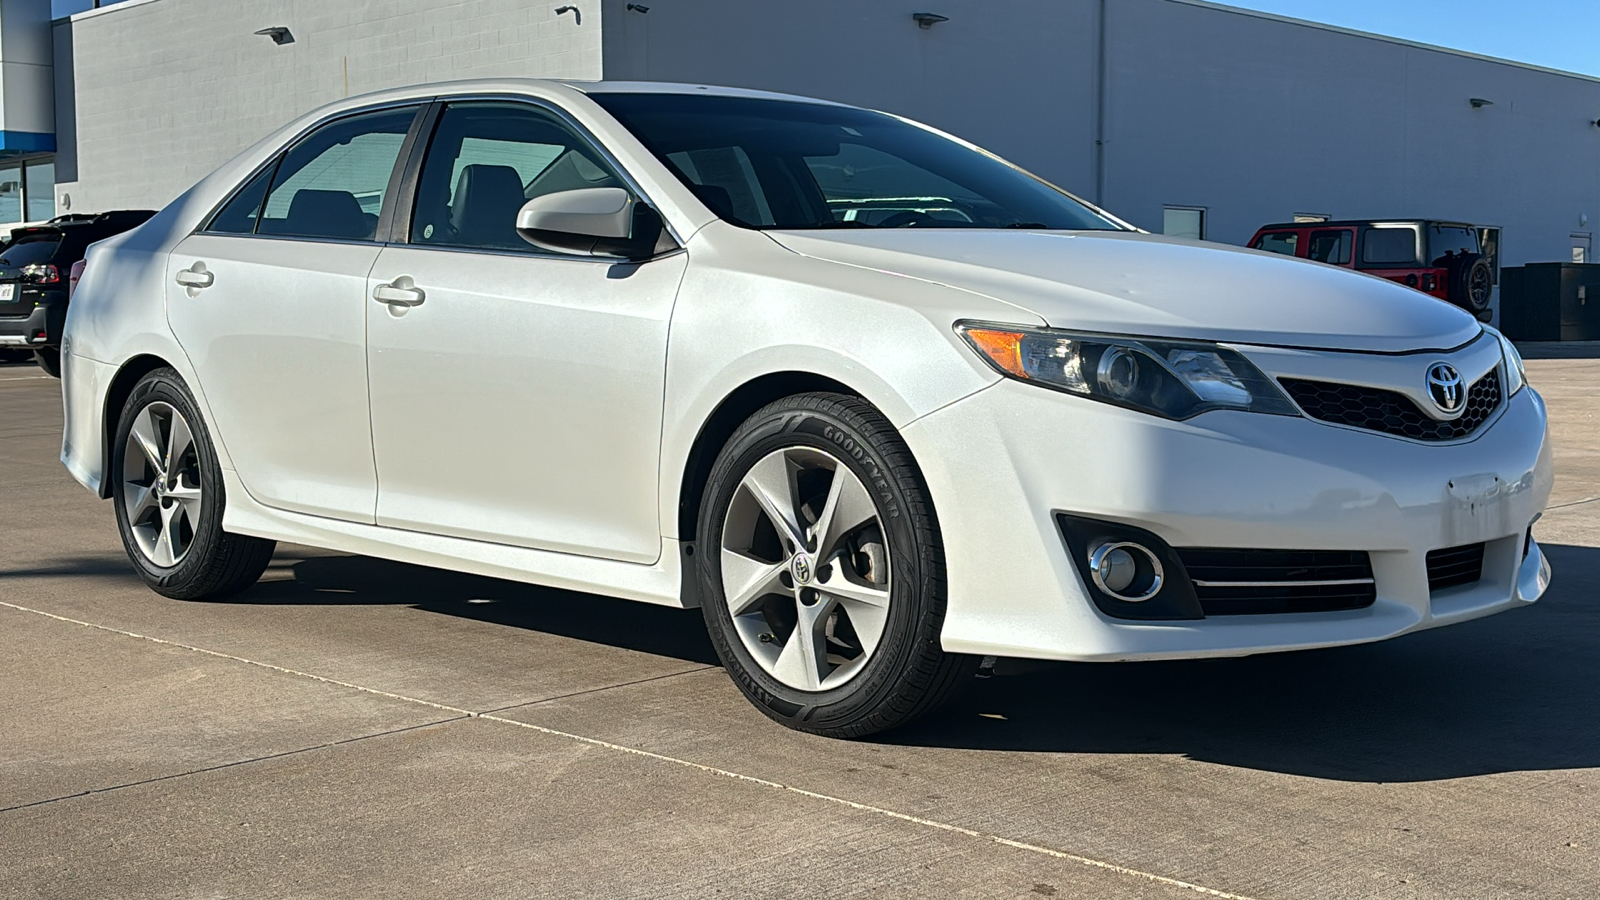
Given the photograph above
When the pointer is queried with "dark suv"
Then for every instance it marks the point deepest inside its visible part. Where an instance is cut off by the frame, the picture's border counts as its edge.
(1444, 259)
(35, 268)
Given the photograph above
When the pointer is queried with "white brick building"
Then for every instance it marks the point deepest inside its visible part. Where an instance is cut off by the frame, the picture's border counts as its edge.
(1172, 113)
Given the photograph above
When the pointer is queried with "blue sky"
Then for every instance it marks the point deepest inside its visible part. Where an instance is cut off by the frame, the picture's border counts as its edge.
(1561, 34)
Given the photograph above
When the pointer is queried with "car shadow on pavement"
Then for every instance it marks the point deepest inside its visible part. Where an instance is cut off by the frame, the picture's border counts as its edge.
(1513, 692)
(1560, 350)
(361, 580)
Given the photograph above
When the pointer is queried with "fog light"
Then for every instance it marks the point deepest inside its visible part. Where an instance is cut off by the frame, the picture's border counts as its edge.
(1127, 571)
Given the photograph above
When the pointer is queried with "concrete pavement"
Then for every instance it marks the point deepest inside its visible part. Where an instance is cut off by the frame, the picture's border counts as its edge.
(356, 728)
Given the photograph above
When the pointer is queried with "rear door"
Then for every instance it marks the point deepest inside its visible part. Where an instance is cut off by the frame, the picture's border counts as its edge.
(1334, 246)
(269, 303)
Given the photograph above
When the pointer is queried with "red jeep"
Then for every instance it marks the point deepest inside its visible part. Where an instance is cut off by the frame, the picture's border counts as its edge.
(1443, 259)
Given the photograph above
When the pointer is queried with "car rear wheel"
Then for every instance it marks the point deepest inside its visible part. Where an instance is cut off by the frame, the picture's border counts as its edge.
(166, 486)
(822, 570)
(49, 359)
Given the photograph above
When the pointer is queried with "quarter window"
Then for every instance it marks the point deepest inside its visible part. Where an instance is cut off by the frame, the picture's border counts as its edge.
(1389, 247)
(240, 214)
(485, 161)
(333, 182)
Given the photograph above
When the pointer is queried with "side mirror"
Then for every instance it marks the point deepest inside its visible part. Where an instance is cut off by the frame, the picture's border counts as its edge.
(606, 222)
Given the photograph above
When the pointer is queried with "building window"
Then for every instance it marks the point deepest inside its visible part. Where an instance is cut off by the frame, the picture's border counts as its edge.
(39, 189)
(27, 191)
(1185, 222)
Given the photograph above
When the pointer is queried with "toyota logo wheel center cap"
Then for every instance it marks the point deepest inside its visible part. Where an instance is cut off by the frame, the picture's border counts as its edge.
(801, 569)
(1444, 388)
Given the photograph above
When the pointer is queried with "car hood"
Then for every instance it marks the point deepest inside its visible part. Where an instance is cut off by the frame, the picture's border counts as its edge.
(1153, 286)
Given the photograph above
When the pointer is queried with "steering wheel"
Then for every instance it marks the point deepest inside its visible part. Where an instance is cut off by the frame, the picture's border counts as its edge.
(908, 219)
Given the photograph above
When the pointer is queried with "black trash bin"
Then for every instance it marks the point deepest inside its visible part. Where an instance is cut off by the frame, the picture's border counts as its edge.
(1551, 302)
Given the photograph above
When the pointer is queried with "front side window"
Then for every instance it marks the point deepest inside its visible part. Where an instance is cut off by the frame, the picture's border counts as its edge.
(1389, 248)
(485, 161)
(784, 164)
(332, 183)
(1285, 242)
(1331, 247)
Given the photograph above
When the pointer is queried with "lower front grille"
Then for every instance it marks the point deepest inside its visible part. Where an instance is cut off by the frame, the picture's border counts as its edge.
(1258, 582)
(1391, 412)
(1455, 567)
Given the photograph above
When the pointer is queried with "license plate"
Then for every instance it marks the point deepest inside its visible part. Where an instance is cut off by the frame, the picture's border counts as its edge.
(8, 292)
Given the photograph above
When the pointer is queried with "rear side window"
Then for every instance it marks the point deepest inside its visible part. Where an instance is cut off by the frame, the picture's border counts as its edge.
(1330, 247)
(1284, 242)
(1389, 247)
(30, 249)
(332, 184)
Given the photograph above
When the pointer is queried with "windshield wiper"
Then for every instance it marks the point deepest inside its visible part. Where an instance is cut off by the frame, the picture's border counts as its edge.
(1028, 225)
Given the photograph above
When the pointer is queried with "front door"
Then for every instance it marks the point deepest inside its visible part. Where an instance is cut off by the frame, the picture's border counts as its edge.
(269, 303)
(516, 395)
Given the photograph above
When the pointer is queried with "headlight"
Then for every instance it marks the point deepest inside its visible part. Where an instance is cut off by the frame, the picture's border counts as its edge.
(1167, 378)
(1516, 374)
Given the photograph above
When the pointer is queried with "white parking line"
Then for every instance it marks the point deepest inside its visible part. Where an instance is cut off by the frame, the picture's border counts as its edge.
(25, 378)
(710, 770)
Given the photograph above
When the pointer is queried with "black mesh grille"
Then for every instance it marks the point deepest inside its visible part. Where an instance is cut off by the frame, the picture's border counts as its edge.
(1455, 567)
(1391, 412)
(1219, 577)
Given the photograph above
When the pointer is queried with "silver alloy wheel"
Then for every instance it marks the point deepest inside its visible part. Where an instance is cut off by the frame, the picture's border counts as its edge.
(805, 568)
(161, 484)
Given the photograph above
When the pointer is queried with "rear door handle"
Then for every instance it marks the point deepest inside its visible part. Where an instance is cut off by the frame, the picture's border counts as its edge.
(400, 292)
(196, 277)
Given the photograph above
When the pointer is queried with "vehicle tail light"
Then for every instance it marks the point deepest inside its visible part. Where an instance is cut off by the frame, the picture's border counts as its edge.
(42, 273)
(76, 276)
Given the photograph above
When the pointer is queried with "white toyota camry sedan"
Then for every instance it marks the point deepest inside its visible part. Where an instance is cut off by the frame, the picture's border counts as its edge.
(881, 404)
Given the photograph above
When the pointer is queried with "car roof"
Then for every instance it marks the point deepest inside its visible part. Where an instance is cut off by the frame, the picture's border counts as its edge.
(1352, 223)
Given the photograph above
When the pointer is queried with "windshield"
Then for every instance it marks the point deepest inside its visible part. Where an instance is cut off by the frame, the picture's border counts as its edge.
(30, 249)
(788, 165)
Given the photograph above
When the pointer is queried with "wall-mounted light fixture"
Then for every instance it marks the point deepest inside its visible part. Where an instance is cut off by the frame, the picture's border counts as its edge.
(638, 8)
(1480, 103)
(577, 16)
(928, 20)
(279, 35)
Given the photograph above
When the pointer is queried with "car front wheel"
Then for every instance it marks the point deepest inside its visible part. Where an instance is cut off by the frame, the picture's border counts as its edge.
(822, 571)
(167, 488)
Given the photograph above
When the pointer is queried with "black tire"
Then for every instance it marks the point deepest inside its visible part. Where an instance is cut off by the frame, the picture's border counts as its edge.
(216, 564)
(1472, 284)
(908, 674)
(49, 359)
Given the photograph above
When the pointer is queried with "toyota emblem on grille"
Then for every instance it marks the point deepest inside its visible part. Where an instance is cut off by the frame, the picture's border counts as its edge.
(1444, 388)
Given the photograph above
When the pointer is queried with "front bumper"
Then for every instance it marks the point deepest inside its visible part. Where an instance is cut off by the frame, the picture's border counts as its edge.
(1004, 463)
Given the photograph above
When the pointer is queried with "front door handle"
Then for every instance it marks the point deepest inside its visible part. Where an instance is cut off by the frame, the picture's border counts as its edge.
(400, 292)
(196, 277)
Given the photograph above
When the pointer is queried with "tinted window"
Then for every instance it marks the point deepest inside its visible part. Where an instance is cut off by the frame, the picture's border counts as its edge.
(30, 249)
(240, 214)
(1447, 243)
(1389, 247)
(332, 183)
(485, 161)
(783, 164)
(1283, 242)
(1330, 247)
